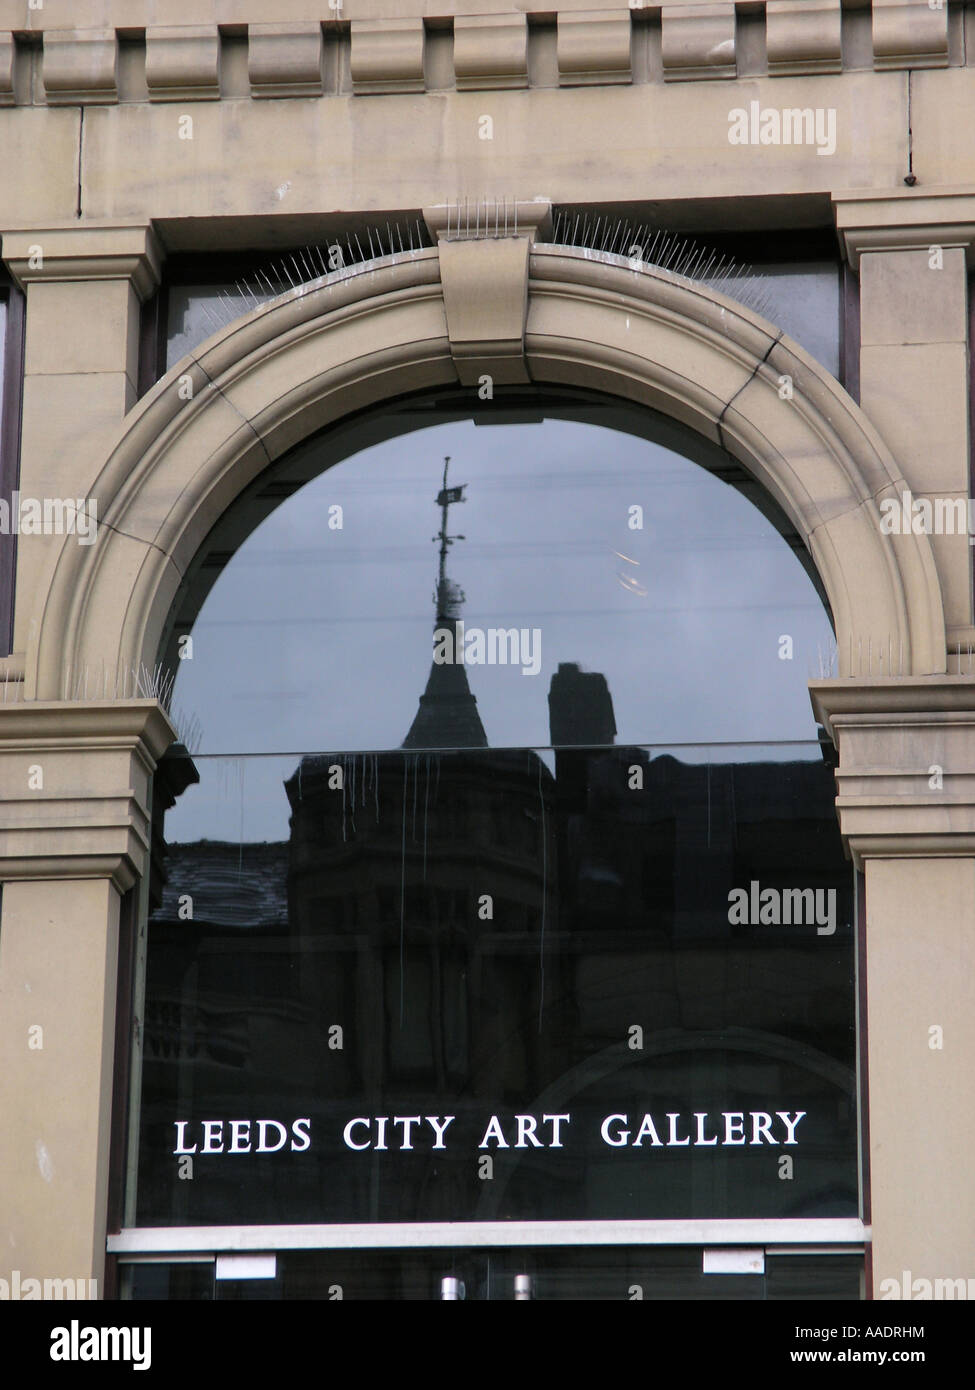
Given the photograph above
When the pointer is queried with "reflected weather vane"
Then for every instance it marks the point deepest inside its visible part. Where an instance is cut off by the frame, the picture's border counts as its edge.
(449, 596)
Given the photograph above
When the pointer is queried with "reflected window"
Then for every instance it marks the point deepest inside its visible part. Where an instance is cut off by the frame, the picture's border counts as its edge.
(804, 301)
(802, 297)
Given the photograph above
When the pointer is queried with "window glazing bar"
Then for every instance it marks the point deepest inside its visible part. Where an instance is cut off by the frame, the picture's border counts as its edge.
(374, 1235)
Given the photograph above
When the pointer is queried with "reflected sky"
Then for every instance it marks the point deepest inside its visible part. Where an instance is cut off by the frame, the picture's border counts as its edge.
(322, 639)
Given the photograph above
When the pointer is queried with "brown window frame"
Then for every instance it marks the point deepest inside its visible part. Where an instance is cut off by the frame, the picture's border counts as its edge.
(11, 406)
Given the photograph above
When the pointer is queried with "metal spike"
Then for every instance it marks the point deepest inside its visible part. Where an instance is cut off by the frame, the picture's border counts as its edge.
(261, 275)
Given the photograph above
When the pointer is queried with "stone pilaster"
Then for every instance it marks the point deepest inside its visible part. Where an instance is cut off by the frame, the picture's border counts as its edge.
(84, 285)
(912, 252)
(906, 801)
(74, 836)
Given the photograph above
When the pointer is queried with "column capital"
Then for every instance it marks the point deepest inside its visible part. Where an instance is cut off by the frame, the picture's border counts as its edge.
(906, 775)
(113, 251)
(76, 781)
(907, 220)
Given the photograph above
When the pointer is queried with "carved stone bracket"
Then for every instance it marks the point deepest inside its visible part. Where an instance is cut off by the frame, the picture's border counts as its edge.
(906, 776)
(484, 254)
(76, 781)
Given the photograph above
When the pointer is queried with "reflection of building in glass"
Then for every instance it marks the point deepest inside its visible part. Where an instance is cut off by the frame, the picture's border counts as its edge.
(451, 929)
(373, 918)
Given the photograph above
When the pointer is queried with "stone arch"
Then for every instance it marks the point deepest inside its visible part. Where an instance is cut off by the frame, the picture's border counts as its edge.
(411, 322)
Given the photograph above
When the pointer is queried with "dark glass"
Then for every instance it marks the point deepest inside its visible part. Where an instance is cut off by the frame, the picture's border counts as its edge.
(501, 933)
(591, 1273)
(167, 1281)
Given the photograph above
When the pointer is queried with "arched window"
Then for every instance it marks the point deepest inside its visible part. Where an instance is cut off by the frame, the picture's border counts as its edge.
(503, 886)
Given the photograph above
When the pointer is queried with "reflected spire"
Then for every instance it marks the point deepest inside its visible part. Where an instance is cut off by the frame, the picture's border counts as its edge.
(449, 596)
(447, 716)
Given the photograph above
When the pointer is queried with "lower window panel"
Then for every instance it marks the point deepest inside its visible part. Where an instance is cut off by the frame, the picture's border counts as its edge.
(592, 1273)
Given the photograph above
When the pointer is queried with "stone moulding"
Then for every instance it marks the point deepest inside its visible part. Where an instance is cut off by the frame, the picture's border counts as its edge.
(910, 34)
(906, 775)
(115, 251)
(593, 48)
(80, 66)
(8, 59)
(698, 41)
(387, 55)
(377, 330)
(90, 817)
(285, 59)
(803, 36)
(491, 50)
(183, 63)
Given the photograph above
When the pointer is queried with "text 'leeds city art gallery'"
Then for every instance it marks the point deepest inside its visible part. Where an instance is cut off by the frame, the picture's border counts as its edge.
(487, 734)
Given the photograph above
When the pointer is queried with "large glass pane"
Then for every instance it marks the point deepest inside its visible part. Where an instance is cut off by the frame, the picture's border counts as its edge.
(582, 545)
(377, 981)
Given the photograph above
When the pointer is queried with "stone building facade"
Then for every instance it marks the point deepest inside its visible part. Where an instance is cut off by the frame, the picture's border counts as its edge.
(453, 151)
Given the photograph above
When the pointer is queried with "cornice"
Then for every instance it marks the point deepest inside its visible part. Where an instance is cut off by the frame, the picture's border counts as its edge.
(69, 724)
(76, 780)
(921, 699)
(112, 251)
(388, 42)
(906, 776)
(874, 220)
